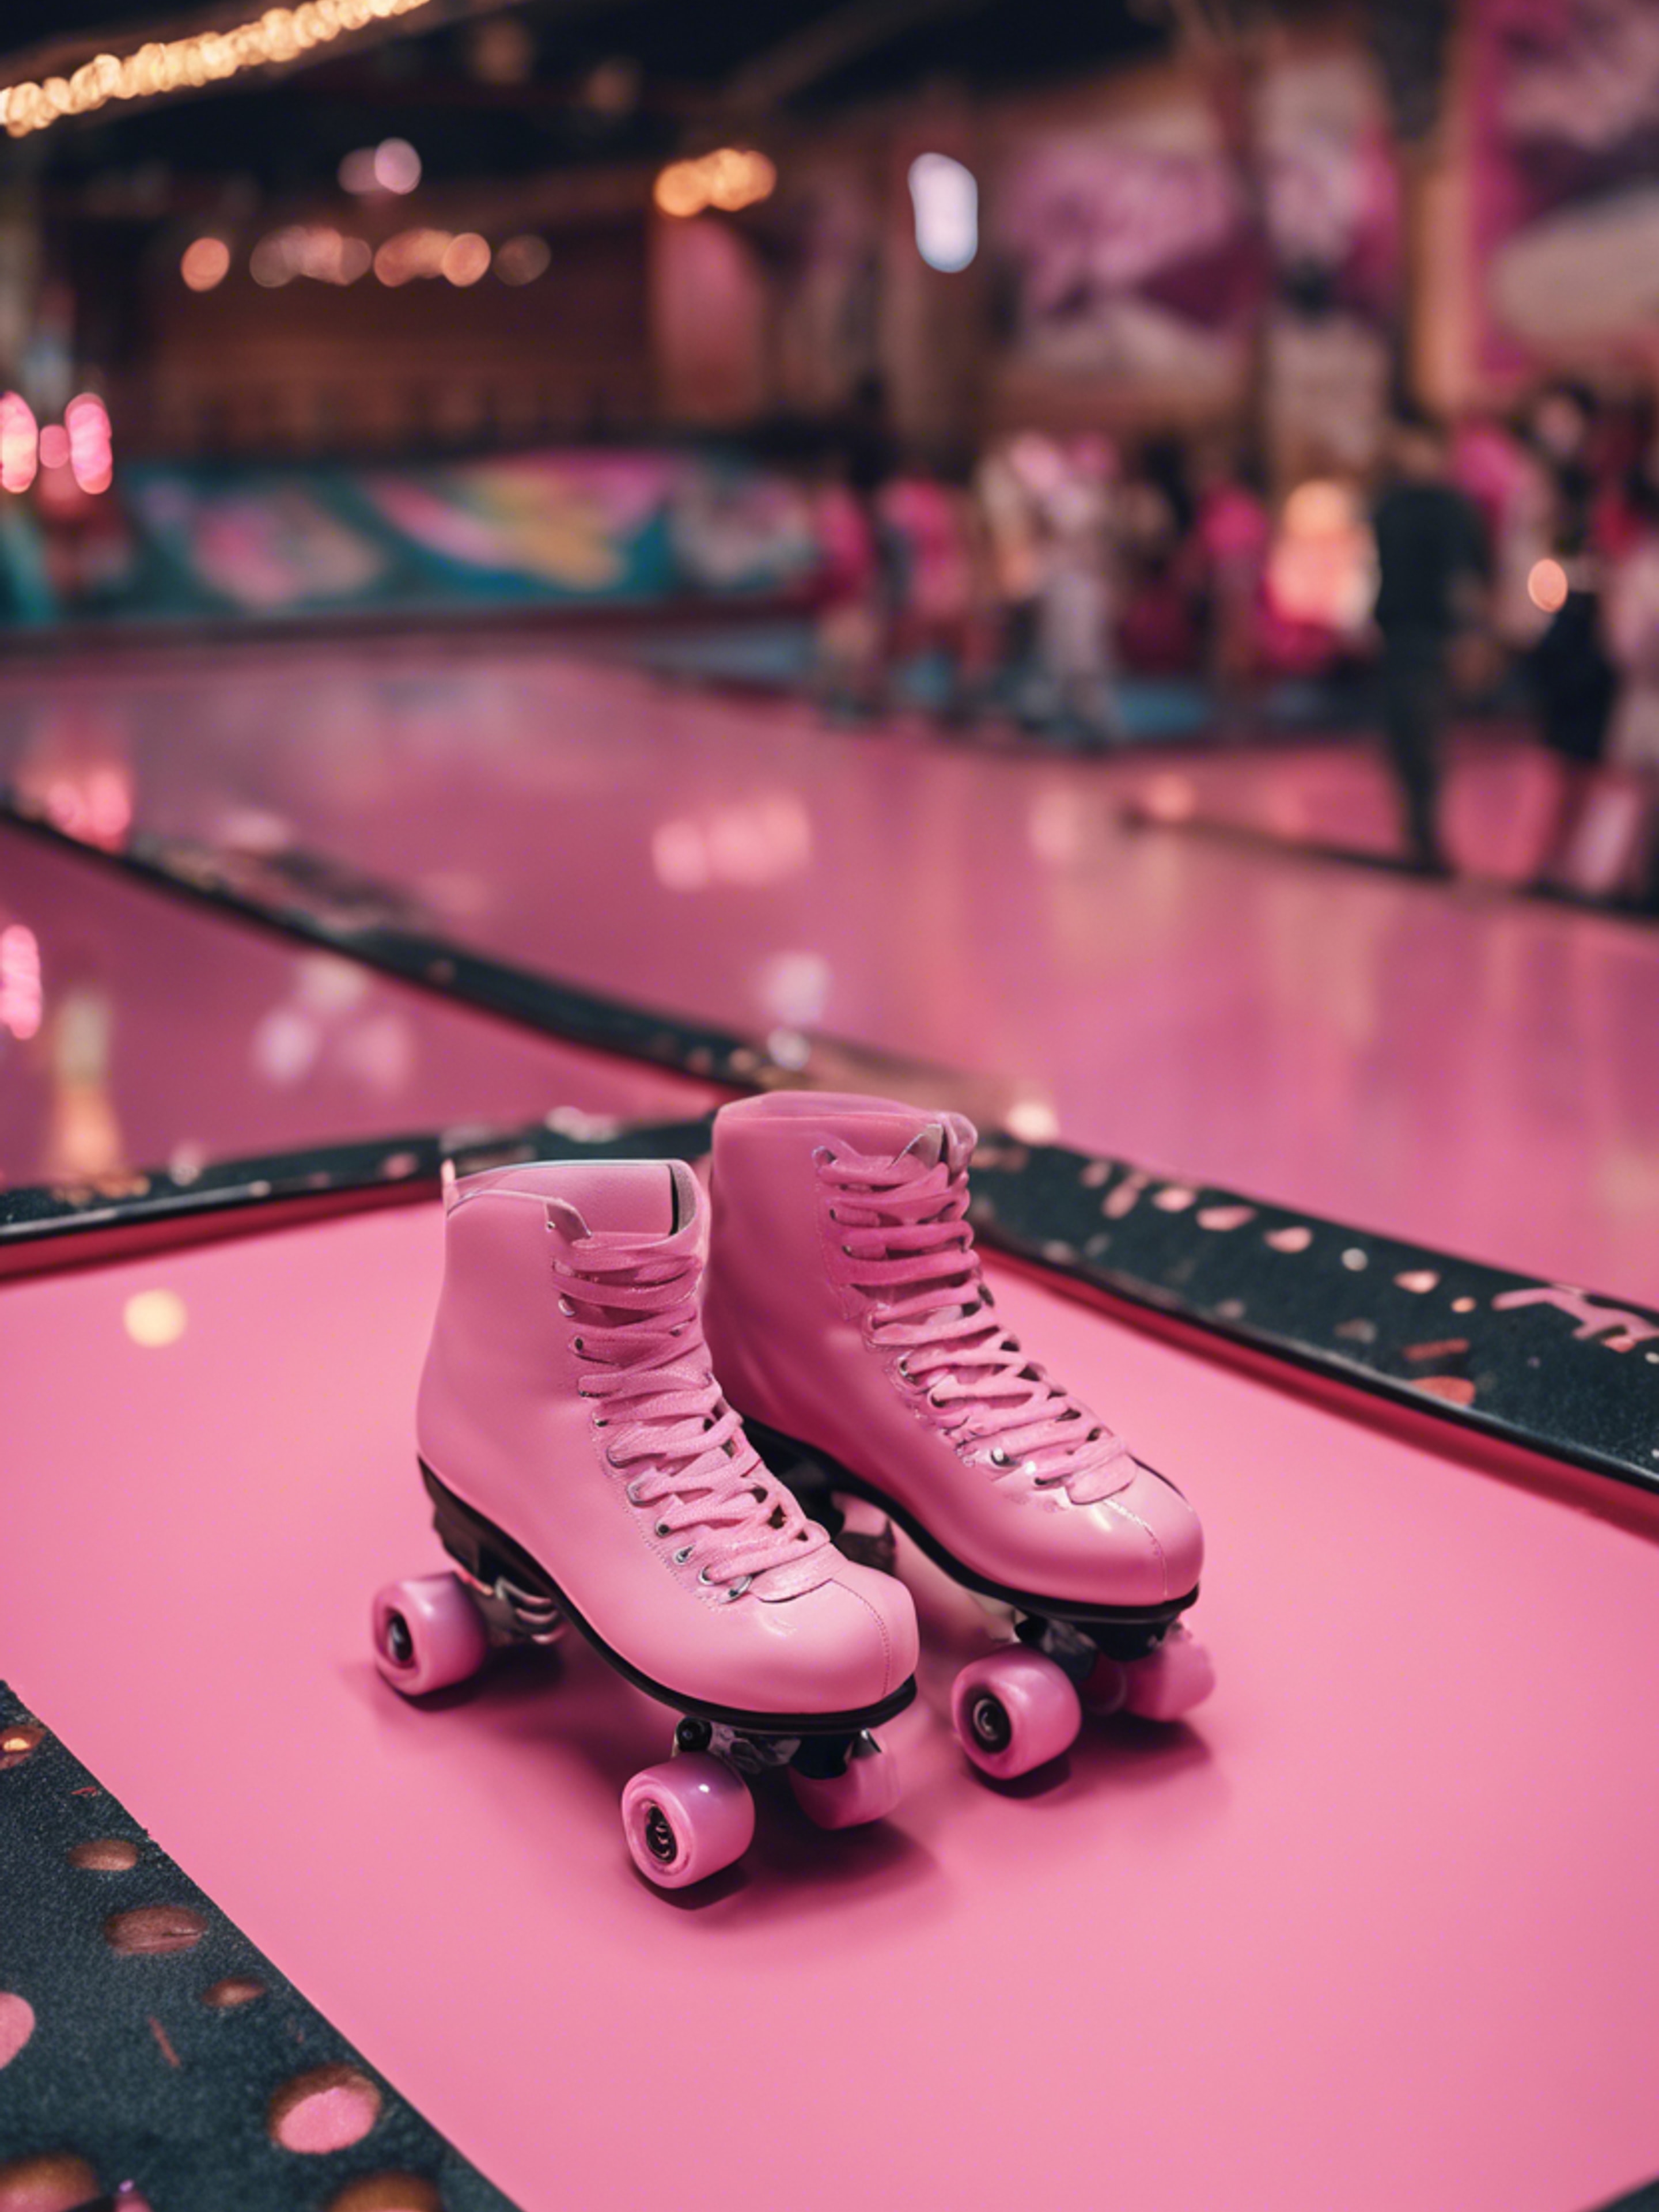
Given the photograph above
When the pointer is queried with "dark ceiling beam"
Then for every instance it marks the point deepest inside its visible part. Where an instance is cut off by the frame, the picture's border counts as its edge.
(817, 50)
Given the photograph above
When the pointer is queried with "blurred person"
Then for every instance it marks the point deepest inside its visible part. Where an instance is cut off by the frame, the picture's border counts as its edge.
(1227, 562)
(1630, 620)
(847, 639)
(1568, 669)
(1011, 538)
(1073, 686)
(871, 463)
(1432, 567)
(945, 611)
(1156, 633)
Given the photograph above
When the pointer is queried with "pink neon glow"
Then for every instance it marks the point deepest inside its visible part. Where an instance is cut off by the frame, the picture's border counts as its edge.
(16, 2025)
(18, 442)
(91, 454)
(21, 997)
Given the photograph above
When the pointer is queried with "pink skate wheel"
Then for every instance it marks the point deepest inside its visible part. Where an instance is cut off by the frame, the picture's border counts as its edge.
(1014, 1710)
(868, 1791)
(1170, 1680)
(427, 1634)
(686, 1818)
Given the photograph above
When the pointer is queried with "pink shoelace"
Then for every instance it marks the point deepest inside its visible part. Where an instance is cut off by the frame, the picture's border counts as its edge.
(905, 1232)
(636, 1298)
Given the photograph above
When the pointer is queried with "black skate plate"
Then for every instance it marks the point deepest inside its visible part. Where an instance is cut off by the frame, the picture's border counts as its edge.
(477, 1545)
(781, 1452)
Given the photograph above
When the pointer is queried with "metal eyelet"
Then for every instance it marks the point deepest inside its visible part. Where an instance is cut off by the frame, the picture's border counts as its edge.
(680, 1557)
(822, 1157)
(737, 1589)
(903, 1367)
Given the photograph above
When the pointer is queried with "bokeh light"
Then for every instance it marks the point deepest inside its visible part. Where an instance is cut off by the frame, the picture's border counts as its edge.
(945, 200)
(397, 166)
(465, 259)
(155, 1319)
(19, 442)
(20, 995)
(1547, 587)
(729, 178)
(91, 447)
(521, 260)
(205, 262)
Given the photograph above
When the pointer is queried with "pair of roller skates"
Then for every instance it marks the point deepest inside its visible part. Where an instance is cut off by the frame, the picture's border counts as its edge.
(588, 1470)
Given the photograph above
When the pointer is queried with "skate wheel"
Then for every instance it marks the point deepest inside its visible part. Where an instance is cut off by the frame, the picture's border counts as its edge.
(427, 1634)
(868, 1791)
(1170, 1680)
(1013, 1711)
(686, 1818)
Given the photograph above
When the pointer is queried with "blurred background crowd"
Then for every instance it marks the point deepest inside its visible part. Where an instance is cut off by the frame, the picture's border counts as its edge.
(1078, 377)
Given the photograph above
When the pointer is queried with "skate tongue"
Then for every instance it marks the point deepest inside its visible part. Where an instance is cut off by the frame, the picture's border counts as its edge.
(611, 1201)
(952, 1138)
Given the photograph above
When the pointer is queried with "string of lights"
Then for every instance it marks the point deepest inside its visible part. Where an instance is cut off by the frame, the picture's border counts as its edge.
(280, 34)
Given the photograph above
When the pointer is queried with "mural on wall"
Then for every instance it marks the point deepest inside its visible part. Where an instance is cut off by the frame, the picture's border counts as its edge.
(571, 527)
(1330, 190)
(1125, 253)
(1566, 127)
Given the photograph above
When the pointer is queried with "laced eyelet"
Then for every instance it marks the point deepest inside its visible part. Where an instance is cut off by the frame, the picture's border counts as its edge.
(934, 1399)
(628, 1491)
(610, 1457)
(702, 1577)
(903, 1367)
(566, 1307)
(663, 1530)
(822, 1157)
(737, 1589)
(999, 1457)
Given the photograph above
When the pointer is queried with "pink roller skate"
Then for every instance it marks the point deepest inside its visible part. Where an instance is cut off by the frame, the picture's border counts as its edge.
(584, 1468)
(847, 1314)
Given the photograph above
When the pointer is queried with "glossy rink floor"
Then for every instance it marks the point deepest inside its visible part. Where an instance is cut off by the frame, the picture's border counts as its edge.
(1378, 1931)
(156, 1035)
(1456, 1067)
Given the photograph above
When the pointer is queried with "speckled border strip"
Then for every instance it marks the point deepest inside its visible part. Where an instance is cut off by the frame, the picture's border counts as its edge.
(151, 2059)
(1547, 1366)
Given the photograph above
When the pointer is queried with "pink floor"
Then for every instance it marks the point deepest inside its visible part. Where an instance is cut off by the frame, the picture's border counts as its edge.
(1456, 1067)
(168, 1035)
(1380, 1930)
